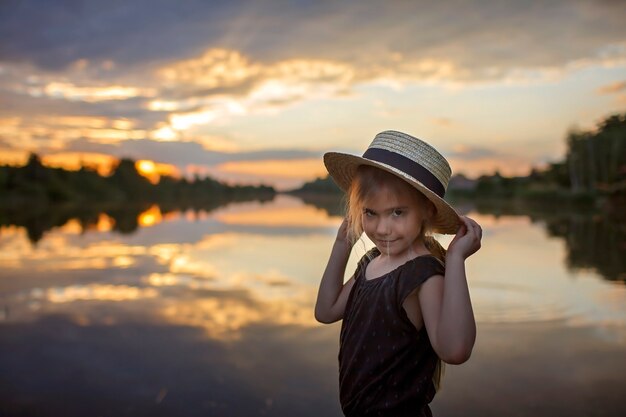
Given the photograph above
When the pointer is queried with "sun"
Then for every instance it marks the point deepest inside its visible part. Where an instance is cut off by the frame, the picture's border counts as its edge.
(153, 171)
(148, 169)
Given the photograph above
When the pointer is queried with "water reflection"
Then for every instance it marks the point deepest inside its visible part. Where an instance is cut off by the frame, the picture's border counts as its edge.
(202, 312)
(594, 239)
(210, 263)
(124, 218)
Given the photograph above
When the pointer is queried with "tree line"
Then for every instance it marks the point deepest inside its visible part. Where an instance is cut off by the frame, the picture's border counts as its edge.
(594, 166)
(35, 183)
(597, 160)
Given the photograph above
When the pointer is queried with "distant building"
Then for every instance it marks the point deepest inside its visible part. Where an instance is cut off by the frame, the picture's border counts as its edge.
(461, 182)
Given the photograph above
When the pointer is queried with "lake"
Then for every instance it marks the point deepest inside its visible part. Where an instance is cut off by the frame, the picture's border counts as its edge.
(155, 312)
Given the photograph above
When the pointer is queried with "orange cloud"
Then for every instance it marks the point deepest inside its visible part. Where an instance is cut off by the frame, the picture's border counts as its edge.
(301, 168)
(612, 88)
(222, 83)
(281, 174)
(443, 122)
(216, 67)
(13, 157)
(72, 92)
(74, 161)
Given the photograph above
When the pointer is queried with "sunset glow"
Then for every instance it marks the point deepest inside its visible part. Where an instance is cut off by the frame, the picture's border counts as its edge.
(74, 161)
(153, 170)
(90, 94)
(286, 211)
(257, 107)
(145, 167)
(275, 170)
(150, 217)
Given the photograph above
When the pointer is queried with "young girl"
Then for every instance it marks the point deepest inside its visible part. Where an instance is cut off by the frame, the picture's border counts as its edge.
(407, 306)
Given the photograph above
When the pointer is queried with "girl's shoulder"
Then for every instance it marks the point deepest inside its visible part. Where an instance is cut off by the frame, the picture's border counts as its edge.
(415, 272)
(361, 266)
(426, 263)
(368, 257)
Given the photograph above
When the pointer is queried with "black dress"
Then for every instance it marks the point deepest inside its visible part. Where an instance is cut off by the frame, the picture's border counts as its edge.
(385, 364)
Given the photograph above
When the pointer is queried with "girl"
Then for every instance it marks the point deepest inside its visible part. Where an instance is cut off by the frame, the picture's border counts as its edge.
(407, 306)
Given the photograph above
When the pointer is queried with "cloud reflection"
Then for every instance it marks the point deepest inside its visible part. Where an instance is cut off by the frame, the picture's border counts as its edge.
(201, 283)
(284, 211)
(251, 264)
(96, 292)
(224, 315)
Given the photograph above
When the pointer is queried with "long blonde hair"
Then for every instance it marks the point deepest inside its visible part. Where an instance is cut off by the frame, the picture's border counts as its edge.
(369, 179)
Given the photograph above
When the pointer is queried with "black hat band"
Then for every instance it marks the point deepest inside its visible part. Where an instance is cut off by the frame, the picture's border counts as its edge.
(408, 166)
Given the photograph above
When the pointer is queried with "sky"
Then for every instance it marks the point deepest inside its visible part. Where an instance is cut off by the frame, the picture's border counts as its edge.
(256, 91)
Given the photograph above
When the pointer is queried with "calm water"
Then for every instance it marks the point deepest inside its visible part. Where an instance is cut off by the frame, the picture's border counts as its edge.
(210, 314)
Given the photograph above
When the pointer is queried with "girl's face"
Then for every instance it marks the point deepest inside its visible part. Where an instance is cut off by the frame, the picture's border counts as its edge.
(393, 221)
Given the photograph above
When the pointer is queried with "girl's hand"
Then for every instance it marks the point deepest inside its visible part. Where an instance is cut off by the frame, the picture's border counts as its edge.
(467, 239)
(342, 233)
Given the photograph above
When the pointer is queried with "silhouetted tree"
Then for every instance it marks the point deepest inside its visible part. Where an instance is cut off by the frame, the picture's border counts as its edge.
(126, 177)
(597, 160)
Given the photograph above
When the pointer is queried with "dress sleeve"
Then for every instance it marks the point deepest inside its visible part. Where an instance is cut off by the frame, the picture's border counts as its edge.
(362, 263)
(416, 273)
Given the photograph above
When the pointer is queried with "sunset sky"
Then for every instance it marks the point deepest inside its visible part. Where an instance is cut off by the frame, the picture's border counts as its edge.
(257, 91)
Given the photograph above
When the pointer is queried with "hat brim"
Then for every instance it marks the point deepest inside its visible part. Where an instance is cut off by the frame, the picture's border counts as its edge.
(342, 167)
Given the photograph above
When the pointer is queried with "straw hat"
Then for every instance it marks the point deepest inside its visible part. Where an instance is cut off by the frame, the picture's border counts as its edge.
(409, 158)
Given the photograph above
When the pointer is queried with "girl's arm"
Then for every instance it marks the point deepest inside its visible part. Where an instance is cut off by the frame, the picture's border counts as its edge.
(333, 293)
(445, 302)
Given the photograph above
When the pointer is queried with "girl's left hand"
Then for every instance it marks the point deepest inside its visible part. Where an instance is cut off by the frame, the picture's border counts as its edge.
(467, 239)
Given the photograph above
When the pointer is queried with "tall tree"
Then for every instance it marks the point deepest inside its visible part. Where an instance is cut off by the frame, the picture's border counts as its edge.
(597, 159)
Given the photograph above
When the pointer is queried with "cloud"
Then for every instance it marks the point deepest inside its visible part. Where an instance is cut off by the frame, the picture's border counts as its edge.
(223, 83)
(204, 49)
(477, 35)
(443, 122)
(617, 89)
(71, 92)
(61, 33)
(120, 77)
(211, 88)
(31, 108)
(469, 153)
(184, 153)
(613, 88)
